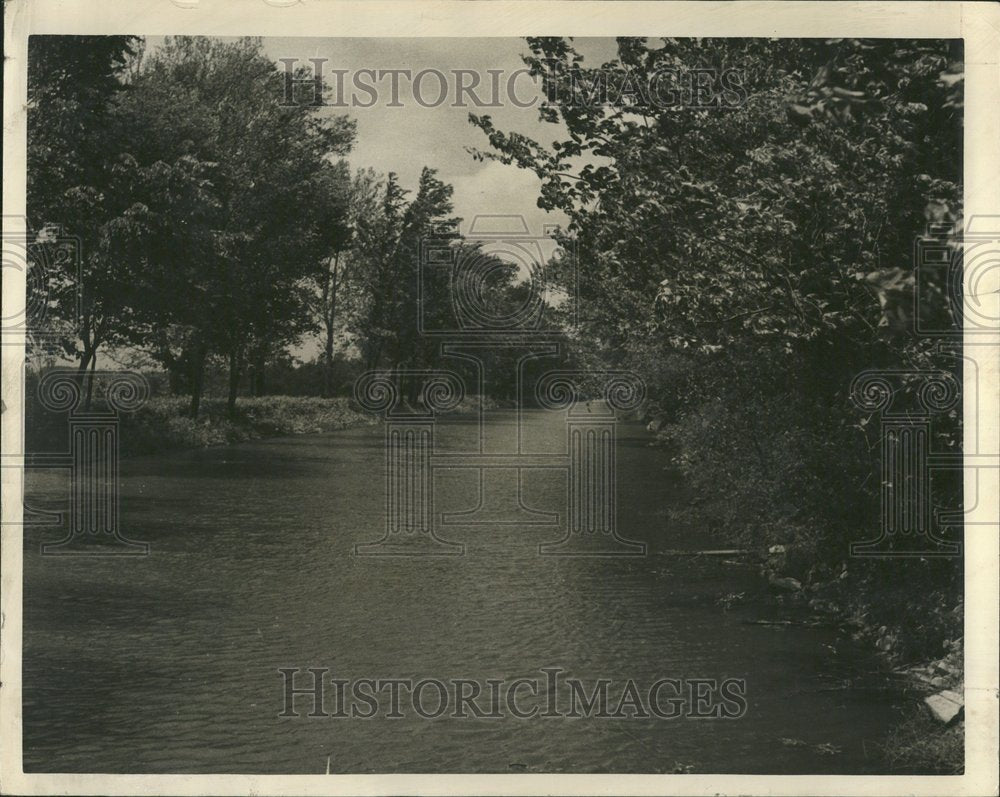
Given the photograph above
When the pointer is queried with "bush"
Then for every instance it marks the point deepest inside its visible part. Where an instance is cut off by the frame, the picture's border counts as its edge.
(772, 446)
(163, 423)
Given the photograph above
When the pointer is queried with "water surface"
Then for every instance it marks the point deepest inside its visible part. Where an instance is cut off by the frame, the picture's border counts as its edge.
(169, 663)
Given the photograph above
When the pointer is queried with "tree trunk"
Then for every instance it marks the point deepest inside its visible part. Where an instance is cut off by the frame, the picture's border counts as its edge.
(90, 382)
(197, 377)
(329, 320)
(328, 367)
(88, 357)
(84, 362)
(258, 380)
(234, 382)
(85, 359)
(178, 370)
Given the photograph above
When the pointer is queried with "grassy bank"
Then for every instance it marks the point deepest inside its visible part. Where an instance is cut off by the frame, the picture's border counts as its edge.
(164, 423)
(795, 495)
(919, 743)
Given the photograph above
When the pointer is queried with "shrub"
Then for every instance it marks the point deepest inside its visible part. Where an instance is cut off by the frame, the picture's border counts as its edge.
(163, 423)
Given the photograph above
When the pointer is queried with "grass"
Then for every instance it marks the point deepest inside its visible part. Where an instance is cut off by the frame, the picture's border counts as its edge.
(921, 745)
(163, 423)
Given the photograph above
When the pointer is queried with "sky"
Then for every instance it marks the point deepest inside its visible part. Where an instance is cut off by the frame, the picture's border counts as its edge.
(405, 139)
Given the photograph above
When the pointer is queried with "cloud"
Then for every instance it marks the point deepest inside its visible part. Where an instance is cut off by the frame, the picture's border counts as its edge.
(497, 189)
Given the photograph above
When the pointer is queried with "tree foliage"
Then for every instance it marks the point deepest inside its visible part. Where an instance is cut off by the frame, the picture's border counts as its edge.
(74, 203)
(205, 205)
(755, 221)
(750, 257)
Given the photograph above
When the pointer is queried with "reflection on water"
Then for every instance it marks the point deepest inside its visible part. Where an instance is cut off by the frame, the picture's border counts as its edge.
(169, 663)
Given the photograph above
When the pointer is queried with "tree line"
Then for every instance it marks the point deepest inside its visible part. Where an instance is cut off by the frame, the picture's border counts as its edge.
(212, 224)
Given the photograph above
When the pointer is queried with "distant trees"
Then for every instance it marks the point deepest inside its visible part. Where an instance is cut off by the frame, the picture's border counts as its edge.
(333, 278)
(387, 253)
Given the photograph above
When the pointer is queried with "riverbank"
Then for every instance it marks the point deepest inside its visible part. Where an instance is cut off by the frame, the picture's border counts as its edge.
(884, 604)
(164, 423)
(931, 734)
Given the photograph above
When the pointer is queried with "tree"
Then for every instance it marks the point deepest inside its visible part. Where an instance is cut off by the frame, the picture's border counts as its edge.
(758, 221)
(741, 244)
(388, 249)
(377, 243)
(231, 271)
(354, 201)
(73, 198)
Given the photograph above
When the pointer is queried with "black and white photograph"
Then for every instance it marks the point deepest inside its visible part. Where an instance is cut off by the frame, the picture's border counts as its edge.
(426, 406)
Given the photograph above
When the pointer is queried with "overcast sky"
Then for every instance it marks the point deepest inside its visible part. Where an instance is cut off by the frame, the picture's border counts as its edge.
(405, 139)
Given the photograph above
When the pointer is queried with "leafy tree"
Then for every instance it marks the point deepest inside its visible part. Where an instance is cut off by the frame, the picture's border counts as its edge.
(230, 271)
(355, 200)
(755, 221)
(750, 245)
(388, 249)
(73, 200)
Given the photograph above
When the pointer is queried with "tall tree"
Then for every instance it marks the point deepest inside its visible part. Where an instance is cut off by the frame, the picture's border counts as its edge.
(743, 238)
(234, 277)
(351, 201)
(758, 221)
(390, 244)
(73, 198)
(377, 247)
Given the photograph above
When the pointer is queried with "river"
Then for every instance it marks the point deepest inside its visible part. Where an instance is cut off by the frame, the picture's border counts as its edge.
(169, 662)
